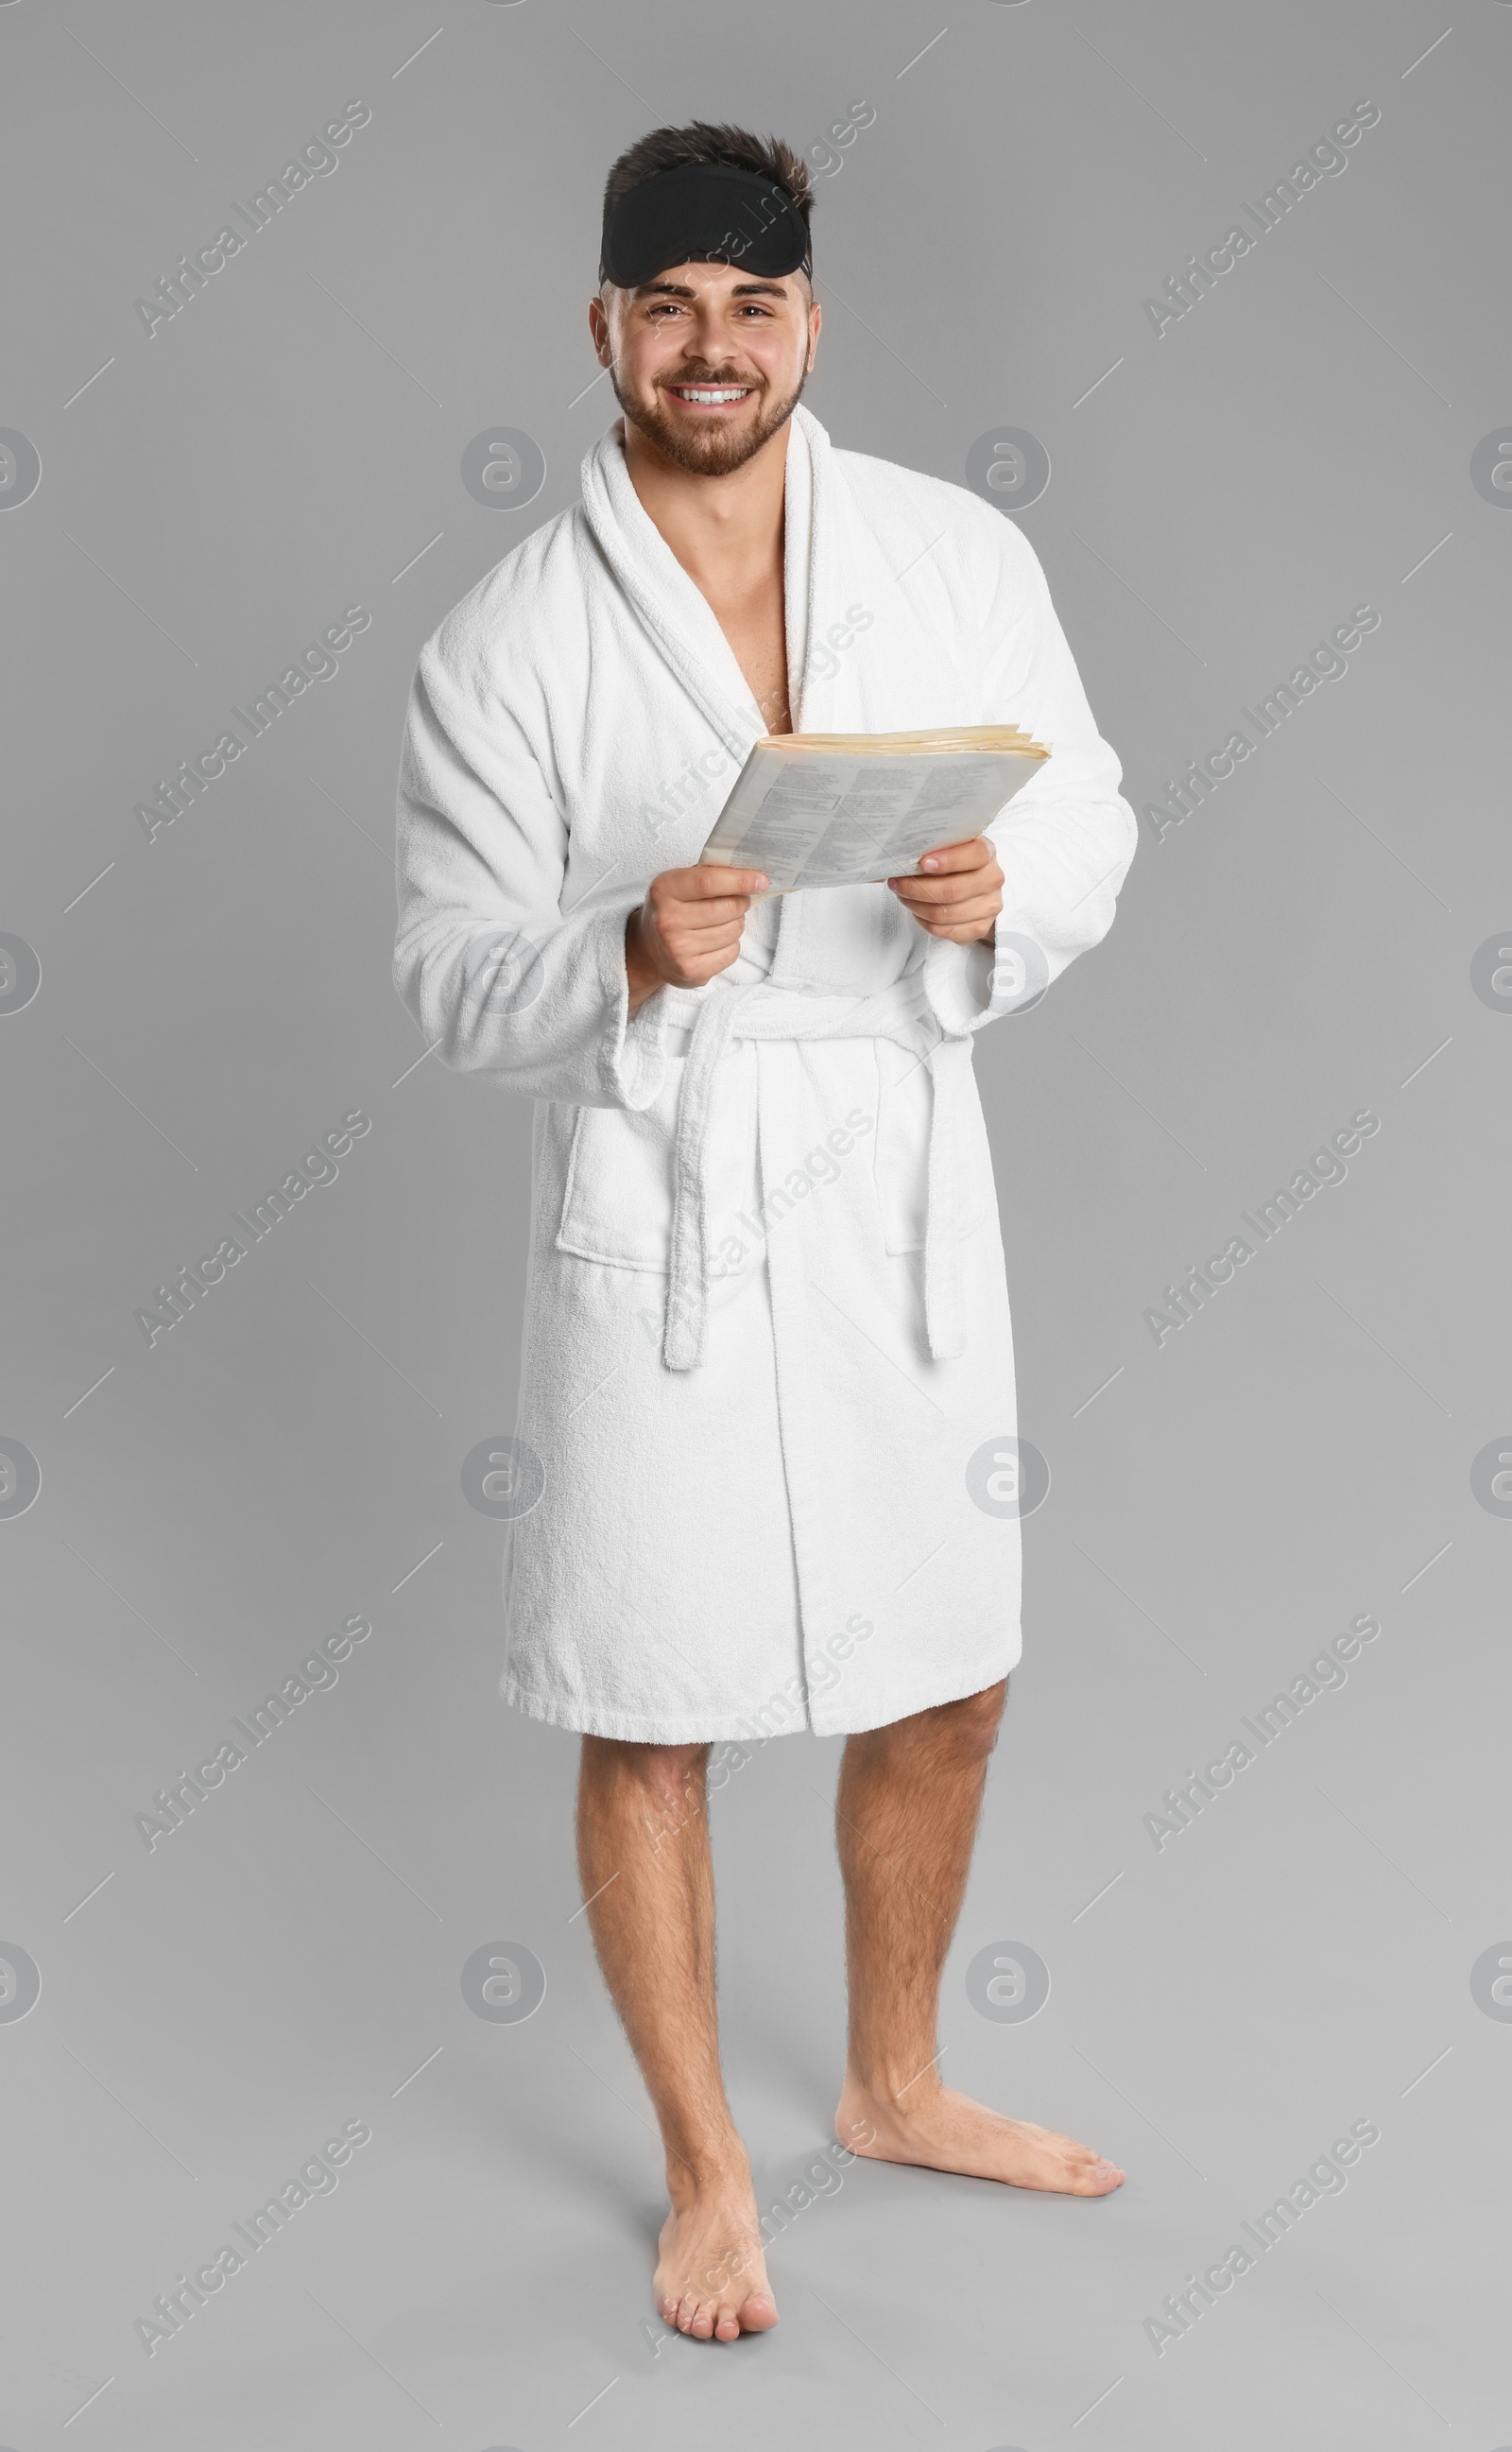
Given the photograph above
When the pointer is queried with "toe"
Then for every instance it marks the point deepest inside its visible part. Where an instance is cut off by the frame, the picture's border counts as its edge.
(702, 2325)
(728, 2327)
(758, 2313)
(687, 2309)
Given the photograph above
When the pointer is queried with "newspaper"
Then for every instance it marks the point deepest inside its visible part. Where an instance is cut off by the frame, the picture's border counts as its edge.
(811, 817)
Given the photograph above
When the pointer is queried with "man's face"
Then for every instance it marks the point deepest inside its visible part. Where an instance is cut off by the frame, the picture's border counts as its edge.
(702, 328)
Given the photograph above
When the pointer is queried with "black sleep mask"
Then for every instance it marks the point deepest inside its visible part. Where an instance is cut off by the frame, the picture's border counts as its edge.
(702, 212)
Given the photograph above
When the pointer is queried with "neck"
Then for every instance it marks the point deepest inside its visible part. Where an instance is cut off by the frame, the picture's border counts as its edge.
(725, 531)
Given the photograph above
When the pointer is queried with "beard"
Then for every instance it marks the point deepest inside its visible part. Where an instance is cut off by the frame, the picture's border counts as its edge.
(712, 451)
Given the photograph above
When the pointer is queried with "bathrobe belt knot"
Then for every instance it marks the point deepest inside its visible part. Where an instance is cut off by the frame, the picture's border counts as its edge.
(900, 1013)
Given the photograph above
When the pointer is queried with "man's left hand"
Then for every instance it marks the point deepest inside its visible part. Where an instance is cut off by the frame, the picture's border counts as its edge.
(959, 893)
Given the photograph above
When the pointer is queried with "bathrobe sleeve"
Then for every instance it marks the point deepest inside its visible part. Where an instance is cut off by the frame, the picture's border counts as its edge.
(1066, 838)
(499, 978)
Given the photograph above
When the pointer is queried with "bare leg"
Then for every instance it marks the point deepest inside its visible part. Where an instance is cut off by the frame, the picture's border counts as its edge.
(910, 1796)
(644, 1863)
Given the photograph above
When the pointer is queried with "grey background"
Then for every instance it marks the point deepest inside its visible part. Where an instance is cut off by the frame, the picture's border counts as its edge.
(209, 499)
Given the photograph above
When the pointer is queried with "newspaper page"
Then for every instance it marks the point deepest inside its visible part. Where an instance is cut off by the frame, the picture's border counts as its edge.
(811, 817)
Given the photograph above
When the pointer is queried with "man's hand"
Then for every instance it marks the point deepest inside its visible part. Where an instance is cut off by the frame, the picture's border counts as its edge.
(961, 894)
(688, 928)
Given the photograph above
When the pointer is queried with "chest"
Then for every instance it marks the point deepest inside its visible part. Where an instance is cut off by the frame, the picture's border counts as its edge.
(756, 629)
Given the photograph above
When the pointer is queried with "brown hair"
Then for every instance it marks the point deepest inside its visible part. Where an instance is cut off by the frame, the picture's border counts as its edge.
(665, 148)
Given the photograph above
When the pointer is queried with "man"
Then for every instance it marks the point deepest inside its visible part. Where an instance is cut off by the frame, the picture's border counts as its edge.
(767, 1400)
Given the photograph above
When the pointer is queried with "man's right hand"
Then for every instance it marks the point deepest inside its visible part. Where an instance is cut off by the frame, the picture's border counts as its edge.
(688, 928)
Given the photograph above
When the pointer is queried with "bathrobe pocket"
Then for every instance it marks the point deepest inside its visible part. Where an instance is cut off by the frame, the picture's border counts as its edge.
(901, 1152)
(618, 1195)
(617, 1204)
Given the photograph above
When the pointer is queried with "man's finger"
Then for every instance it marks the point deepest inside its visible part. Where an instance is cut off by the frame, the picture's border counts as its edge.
(976, 911)
(693, 884)
(975, 853)
(698, 942)
(929, 892)
(700, 917)
(689, 922)
(972, 918)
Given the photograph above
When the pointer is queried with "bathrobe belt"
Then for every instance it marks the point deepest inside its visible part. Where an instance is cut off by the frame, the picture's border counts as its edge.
(758, 1011)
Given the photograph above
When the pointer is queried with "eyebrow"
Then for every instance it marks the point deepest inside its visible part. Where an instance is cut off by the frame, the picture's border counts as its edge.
(684, 289)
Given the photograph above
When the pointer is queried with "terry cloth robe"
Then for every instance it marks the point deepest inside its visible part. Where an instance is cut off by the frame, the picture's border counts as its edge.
(762, 1476)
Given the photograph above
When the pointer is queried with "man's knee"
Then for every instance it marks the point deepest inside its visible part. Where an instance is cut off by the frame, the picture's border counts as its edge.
(971, 1723)
(672, 1776)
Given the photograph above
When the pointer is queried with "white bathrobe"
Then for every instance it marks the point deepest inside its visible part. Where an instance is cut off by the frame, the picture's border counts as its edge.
(761, 1473)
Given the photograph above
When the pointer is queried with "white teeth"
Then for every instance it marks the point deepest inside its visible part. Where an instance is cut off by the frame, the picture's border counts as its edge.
(686, 391)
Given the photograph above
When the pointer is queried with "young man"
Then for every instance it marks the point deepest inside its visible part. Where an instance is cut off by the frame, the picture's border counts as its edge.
(764, 1473)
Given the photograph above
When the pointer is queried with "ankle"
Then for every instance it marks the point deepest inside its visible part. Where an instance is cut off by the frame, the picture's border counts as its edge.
(891, 2089)
(694, 2171)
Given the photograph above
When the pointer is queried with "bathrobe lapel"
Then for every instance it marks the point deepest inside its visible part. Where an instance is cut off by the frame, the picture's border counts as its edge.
(678, 617)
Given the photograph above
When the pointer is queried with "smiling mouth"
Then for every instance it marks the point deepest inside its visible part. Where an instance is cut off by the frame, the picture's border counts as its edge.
(705, 396)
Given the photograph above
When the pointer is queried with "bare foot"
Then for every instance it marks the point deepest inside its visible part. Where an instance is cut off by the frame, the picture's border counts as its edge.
(711, 2278)
(946, 2131)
